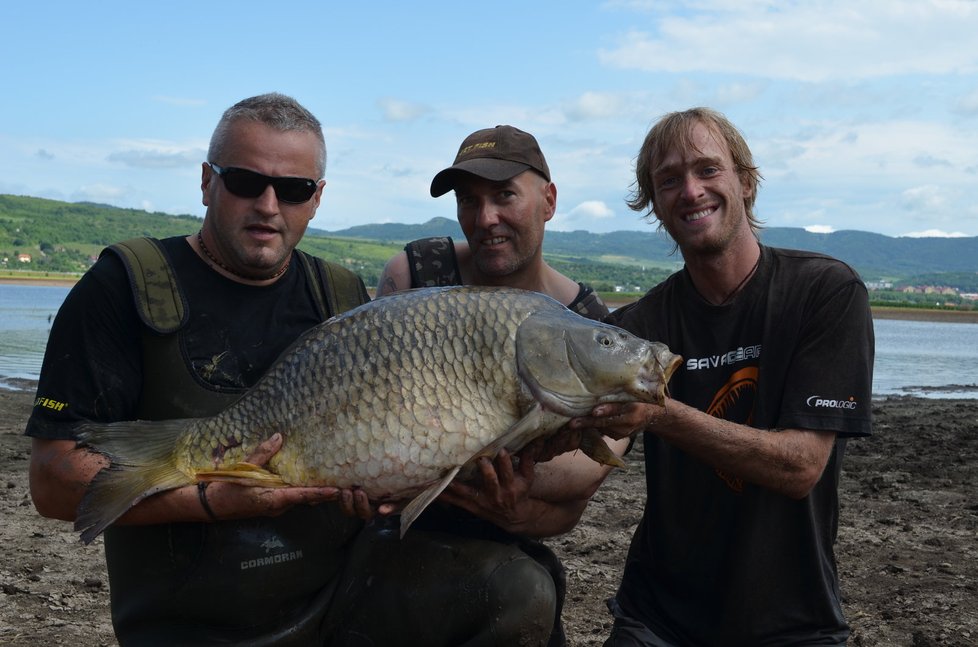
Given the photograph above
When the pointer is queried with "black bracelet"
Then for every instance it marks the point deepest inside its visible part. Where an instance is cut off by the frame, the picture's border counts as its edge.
(202, 495)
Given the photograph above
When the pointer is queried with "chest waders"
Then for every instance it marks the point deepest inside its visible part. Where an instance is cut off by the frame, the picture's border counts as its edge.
(251, 582)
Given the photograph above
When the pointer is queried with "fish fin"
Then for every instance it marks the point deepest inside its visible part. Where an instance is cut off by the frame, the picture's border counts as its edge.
(243, 473)
(593, 444)
(536, 419)
(417, 505)
(143, 462)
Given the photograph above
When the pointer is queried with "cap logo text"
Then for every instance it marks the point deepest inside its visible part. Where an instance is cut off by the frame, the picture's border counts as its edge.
(479, 146)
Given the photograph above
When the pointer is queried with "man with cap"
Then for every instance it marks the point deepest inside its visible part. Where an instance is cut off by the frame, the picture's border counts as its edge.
(504, 198)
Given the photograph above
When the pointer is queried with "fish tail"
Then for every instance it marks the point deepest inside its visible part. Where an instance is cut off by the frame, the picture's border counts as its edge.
(142, 455)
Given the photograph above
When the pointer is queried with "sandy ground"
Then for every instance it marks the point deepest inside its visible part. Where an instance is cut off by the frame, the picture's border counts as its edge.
(907, 549)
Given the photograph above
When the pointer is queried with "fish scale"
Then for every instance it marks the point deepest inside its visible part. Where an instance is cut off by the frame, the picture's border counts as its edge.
(395, 397)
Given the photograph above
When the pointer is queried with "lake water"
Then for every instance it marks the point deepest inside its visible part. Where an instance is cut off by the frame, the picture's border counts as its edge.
(26, 313)
(929, 359)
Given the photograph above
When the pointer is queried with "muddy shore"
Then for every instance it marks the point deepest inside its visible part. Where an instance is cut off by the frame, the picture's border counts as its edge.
(907, 548)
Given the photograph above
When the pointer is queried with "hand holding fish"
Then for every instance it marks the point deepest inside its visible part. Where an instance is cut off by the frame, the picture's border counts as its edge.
(500, 492)
(621, 420)
(232, 501)
(356, 503)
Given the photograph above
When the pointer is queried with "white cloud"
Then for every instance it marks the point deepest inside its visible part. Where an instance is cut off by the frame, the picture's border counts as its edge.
(933, 233)
(929, 161)
(968, 104)
(101, 193)
(820, 229)
(583, 216)
(152, 153)
(399, 111)
(157, 159)
(595, 105)
(811, 42)
(729, 93)
(924, 198)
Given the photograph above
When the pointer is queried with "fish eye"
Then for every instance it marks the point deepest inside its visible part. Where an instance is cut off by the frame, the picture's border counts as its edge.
(605, 340)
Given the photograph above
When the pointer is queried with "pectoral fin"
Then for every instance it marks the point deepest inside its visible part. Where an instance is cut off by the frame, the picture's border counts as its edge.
(417, 505)
(593, 444)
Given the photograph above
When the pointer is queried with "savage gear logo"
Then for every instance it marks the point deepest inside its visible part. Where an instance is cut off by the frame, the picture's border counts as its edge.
(818, 402)
(741, 354)
(735, 402)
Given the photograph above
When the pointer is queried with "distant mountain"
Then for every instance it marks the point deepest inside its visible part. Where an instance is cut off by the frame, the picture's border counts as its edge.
(396, 232)
(873, 255)
(63, 236)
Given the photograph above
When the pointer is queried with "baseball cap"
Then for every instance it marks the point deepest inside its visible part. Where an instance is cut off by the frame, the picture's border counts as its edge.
(494, 154)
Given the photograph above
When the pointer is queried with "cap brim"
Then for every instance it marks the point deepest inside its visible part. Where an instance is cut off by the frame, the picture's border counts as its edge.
(484, 167)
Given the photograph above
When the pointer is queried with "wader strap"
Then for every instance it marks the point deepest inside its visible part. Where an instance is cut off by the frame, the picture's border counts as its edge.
(159, 300)
(339, 288)
(589, 304)
(432, 262)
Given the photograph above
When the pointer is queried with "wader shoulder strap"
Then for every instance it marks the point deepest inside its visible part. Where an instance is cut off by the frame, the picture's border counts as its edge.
(432, 262)
(339, 288)
(159, 300)
(589, 304)
(169, 387)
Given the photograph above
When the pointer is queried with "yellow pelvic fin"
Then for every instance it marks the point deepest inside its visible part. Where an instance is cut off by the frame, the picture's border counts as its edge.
(243, 474)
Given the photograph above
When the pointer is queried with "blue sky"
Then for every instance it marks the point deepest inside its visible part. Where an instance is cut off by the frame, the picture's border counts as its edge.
(861, 115)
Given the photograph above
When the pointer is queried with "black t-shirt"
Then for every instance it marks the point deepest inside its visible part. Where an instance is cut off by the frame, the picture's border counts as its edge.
(716, 561)
(92, 368)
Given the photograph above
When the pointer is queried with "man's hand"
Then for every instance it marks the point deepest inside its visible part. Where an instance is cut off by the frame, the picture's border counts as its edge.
(232, 501)
(354, 503)
(500, 492)
(620, 420)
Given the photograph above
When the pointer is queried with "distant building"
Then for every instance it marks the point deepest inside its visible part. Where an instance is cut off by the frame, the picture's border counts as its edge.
(939, 289)
(24, 258)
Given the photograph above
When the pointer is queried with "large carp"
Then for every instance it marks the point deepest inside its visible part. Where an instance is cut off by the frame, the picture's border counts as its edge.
(394, 397)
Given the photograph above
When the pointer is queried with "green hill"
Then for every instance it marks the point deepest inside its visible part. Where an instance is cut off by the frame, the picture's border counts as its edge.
(66, 237)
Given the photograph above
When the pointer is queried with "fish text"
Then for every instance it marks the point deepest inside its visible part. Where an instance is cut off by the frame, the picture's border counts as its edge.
(48, 403)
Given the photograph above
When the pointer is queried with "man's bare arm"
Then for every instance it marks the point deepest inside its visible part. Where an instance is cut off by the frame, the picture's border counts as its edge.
(396, 275)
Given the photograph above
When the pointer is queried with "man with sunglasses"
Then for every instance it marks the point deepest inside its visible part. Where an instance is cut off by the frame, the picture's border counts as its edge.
(180, 328)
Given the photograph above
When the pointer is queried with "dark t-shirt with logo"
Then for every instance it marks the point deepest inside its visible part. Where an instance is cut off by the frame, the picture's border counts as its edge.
(715, 560)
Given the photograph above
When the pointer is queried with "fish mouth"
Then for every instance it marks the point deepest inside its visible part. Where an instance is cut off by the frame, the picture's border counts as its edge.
(652, 382)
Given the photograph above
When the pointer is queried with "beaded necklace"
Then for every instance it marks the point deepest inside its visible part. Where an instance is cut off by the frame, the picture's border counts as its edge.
(213, 259)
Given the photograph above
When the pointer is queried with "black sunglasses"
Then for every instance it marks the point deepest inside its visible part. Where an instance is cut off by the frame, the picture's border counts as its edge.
(248, 184)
